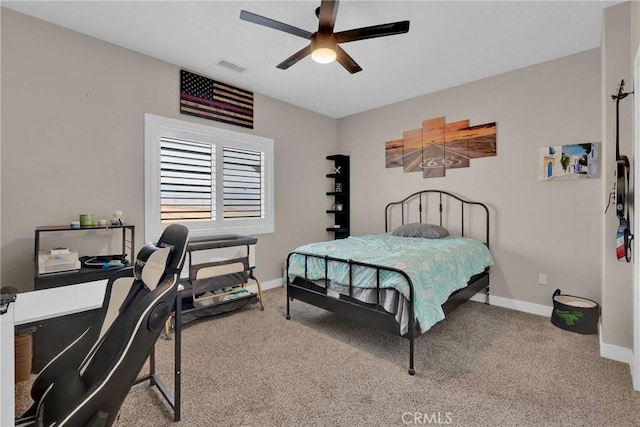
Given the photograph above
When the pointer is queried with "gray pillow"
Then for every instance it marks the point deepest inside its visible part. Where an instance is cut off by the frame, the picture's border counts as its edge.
(428, 231)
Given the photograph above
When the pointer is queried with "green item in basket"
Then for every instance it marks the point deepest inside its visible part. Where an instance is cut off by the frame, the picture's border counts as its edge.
(569, 317)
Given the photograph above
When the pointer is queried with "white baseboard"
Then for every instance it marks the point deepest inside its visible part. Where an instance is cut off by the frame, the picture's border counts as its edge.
(270, 284)
(614, 352)
(608, 351)
(514, 304)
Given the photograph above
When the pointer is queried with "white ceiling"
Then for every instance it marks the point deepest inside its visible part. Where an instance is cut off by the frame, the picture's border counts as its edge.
(449, 42)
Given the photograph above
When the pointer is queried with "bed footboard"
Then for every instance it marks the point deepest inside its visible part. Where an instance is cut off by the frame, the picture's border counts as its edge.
(302, 289)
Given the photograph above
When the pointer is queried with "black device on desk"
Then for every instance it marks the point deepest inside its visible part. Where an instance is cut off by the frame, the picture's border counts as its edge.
(104, 261)
(5, 300)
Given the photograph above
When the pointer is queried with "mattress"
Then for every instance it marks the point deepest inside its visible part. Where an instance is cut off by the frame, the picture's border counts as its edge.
(436, 267)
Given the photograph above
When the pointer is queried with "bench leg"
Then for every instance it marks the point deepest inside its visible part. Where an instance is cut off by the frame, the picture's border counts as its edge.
(254, 278)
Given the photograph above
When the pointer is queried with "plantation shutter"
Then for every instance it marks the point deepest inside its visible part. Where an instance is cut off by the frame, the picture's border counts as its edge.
(187, 181)
(243, 175)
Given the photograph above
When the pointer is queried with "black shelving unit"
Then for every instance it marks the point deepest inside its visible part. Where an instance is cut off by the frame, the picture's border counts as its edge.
(341, 204)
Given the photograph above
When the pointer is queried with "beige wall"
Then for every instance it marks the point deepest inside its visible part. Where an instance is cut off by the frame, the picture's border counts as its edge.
(537, 227)
(617, 277)
(72, 141)
(635, 27)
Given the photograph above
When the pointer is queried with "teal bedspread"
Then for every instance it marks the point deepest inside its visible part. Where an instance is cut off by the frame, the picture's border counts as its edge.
(436, 267)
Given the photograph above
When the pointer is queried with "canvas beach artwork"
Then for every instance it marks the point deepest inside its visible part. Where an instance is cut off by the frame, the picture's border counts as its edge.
(567, 162)
(439, 146)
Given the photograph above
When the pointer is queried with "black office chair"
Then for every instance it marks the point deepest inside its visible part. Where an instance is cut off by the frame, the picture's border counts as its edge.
(87, 382)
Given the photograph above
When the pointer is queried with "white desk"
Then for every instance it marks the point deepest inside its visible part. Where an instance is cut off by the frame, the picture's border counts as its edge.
(32, 307)
(55, 302)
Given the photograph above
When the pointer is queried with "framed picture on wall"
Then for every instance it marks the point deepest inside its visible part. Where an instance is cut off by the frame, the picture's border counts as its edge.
(572, 161)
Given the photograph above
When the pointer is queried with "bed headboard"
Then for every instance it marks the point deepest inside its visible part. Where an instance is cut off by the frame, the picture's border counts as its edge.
(427, 201)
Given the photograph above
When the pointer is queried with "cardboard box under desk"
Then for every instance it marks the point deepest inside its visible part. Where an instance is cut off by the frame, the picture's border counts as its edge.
(23, 357)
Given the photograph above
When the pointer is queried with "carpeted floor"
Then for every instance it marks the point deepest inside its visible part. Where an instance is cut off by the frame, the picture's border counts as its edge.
(482, 366)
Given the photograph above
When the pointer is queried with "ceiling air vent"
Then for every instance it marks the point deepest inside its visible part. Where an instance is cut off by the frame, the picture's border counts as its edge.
(230, 65)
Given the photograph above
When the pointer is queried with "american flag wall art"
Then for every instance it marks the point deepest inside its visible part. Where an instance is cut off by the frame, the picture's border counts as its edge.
(210, 99)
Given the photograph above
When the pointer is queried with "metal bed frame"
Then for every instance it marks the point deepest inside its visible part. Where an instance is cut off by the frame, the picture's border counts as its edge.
(374, 315)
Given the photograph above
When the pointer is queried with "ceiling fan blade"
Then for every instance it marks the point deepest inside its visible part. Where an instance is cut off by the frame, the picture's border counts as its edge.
(294, 58)
(372, 32)
(276, 25)
(327, 16)
(346, 61)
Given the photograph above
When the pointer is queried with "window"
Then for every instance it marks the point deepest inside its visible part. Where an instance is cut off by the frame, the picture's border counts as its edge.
(187, 181)
(213, 180)
(243, 183)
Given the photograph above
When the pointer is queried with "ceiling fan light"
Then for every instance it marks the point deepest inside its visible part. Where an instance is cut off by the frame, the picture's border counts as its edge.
(323, 55)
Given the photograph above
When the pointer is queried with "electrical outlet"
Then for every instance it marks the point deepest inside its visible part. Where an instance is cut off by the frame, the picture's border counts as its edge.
(542, 279)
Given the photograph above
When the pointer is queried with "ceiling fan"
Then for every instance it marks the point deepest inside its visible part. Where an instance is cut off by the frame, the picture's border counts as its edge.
(324, 46)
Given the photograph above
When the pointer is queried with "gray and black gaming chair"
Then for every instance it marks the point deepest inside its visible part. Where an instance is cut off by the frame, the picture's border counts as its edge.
(88, 381)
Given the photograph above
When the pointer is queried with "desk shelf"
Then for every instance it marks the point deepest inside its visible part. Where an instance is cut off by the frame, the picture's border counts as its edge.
(63, 278)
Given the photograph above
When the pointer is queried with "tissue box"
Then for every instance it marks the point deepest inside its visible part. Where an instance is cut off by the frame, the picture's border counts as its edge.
(54, 263)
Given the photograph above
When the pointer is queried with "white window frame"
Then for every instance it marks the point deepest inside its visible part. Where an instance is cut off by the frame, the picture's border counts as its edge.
(157, 127)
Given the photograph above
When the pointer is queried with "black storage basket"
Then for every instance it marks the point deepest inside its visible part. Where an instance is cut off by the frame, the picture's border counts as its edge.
(575, 314)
